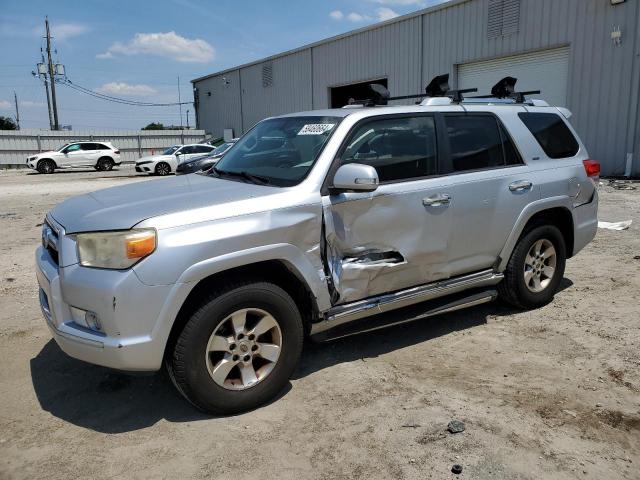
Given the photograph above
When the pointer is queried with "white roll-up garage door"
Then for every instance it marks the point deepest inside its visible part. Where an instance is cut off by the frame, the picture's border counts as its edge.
(545, 70)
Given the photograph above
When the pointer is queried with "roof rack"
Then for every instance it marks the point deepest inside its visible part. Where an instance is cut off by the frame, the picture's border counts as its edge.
(438, 92)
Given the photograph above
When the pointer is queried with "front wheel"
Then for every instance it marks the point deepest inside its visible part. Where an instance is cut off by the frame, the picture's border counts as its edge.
(535, 269)
(46, 166)
(163, 169)
(239, 349)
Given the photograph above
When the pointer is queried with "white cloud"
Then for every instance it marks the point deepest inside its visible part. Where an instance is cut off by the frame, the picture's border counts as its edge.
(169, 45)
(357, 17)
(63, 31)
(5, 105)
(385, 13)
(122, 88)
(337, 15)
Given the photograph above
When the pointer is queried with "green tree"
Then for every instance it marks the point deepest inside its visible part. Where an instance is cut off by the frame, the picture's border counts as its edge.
(154, 126)
(7, 123)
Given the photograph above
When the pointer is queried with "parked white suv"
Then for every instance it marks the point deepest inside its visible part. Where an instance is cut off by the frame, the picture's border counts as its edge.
(167, 162)
(100, 155)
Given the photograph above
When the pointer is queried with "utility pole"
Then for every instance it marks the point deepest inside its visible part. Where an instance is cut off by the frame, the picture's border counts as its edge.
(187, 119)
(179, 101)
(46, 89)
(15, 99)
(56, 126)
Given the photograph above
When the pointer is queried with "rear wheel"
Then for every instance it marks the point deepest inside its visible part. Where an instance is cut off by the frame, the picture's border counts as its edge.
(105, 164)
(162, 169)
(46, 166)
(239, 349)
(535, 269)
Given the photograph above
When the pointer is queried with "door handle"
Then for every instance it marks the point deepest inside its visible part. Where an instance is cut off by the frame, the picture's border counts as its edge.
(520, 186)
(437, 200)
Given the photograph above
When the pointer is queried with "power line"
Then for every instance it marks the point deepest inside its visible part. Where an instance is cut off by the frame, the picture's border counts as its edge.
(109, 98)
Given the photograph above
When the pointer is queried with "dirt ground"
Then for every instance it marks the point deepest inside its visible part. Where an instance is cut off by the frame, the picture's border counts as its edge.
(552, 393)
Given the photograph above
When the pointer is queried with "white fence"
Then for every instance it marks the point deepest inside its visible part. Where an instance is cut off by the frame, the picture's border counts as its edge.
(17, 145)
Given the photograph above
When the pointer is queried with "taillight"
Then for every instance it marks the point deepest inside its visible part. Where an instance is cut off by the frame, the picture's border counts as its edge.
(592, 167)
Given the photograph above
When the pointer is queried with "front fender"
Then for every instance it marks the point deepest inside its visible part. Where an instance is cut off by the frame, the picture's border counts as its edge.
(527, 213)
(295, 260)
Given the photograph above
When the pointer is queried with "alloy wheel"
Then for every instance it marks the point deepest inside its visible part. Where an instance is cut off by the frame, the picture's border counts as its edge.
(243, 349)
(540, 265)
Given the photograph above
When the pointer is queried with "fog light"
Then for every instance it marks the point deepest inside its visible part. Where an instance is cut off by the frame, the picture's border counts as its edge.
(85, 318)
(92, 321)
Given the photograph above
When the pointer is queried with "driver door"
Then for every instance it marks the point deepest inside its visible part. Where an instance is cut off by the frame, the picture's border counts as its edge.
(73, 155)
(396, 236)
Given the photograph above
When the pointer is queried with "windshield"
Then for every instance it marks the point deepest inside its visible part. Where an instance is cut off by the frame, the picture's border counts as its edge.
(171, 150)
(279, 150)
(219, 150)
(59, 149)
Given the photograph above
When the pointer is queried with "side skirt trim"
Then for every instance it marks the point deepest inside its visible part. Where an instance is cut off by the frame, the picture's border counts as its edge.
(342, 314)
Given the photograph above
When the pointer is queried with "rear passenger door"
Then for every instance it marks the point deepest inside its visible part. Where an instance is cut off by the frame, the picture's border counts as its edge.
(90, 154)
(398, 235)
(489, 185)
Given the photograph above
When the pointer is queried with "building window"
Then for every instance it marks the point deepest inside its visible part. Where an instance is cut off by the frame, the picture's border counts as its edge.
(503, 18)
(267, 74)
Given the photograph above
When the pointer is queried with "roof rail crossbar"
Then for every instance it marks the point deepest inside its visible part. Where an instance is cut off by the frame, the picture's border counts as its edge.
(505, 88)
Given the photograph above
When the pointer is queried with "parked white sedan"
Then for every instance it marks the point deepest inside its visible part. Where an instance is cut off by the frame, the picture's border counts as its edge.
(168, 161)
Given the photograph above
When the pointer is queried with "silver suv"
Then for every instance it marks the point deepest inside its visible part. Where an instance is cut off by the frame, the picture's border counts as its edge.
(318, 224)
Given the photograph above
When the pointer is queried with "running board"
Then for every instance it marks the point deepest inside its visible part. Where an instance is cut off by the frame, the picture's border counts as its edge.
(384, 303)
(409, 314)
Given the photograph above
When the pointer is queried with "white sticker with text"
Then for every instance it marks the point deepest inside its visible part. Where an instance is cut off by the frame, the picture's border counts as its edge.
(316, 128)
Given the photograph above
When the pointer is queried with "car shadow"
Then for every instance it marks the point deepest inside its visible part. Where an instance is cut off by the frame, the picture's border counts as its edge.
(110, 401)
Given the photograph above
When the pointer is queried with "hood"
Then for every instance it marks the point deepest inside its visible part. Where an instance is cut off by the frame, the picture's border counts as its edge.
(45, 154)
(120, 208)
(154, 158)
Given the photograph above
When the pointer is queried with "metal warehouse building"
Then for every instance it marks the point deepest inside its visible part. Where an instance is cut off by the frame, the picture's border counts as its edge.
(582, 54)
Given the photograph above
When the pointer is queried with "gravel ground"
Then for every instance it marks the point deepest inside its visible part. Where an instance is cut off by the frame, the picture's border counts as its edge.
(552, 393)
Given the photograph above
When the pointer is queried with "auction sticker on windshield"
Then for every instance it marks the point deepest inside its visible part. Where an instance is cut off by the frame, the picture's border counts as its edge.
(316, 128)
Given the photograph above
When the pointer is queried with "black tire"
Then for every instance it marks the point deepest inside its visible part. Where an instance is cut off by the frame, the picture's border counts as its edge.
(187, 364)
(513, 289)
(162, 169)
(105, 164)
(46, 166)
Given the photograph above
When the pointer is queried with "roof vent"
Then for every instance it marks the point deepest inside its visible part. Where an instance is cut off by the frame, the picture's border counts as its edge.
(267, 74)
(503, 18)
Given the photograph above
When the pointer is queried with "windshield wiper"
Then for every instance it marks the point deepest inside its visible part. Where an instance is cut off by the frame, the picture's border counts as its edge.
(257, 179)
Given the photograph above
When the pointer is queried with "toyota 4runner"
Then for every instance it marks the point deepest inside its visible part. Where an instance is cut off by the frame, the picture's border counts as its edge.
(318, 224)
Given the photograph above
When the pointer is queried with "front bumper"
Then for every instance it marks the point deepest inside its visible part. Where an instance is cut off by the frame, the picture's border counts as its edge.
(133, 316)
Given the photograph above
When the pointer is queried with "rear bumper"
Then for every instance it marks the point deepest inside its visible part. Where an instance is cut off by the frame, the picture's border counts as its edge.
(585, 223)
(132, 335)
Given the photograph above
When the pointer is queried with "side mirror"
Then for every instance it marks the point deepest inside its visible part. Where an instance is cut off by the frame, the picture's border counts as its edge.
(356, 177)
(177, 154)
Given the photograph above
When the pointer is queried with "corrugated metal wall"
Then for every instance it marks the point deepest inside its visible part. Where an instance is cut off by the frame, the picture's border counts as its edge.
(289, 92)
(17, 145)
(603, 80)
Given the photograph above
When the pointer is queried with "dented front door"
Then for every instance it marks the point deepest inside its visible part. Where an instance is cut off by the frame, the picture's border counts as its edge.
(387, 240)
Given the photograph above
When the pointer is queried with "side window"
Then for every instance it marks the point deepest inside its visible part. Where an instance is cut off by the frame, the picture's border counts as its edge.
(399, 148)
(100, 146)
(552, 134)
(87, 147)
(187, 150)
(202, 149)
(475, 142)
(72, 148)
(511, 155)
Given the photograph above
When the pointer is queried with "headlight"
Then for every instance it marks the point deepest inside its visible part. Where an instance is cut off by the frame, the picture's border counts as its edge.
(115, 250)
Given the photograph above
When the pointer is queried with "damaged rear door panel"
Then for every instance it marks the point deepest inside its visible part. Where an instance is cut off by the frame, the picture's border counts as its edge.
(398, 235)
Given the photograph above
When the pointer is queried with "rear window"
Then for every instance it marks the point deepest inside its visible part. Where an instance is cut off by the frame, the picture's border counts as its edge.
(552, 134)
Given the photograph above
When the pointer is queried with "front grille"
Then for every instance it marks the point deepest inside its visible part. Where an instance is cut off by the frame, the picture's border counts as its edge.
(50, 238)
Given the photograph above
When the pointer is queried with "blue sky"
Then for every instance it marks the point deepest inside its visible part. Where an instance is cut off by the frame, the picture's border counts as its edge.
(137, 49)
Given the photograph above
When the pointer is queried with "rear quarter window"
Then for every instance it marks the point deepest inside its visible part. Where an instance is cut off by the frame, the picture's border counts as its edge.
(552, 134)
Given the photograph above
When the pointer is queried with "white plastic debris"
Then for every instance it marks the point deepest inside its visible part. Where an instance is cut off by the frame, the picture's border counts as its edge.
(615, 225)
